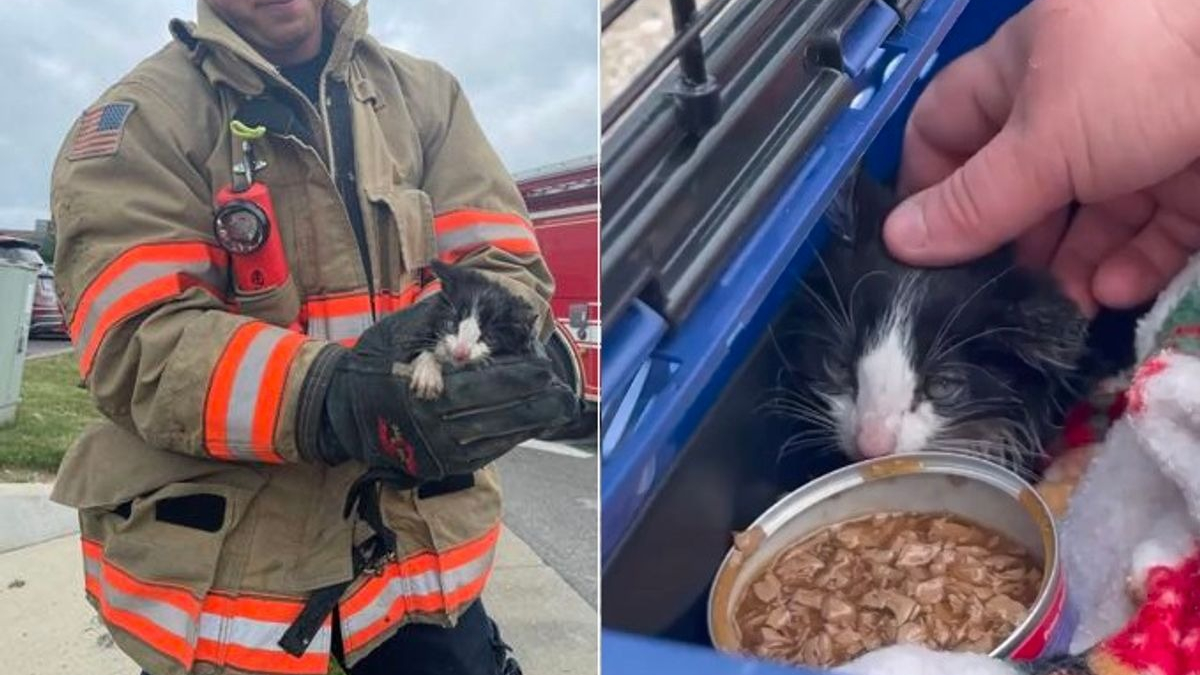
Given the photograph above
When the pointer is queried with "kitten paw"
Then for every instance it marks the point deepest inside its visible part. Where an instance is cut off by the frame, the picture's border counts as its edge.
(427, 377)
(914, 660)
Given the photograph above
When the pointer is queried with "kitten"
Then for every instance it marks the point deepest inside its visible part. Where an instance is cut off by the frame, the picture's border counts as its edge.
(885, 358)
(1137, 508)
(477, 319)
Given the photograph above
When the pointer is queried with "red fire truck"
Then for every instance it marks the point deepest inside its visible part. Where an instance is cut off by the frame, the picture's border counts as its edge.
(563, 203)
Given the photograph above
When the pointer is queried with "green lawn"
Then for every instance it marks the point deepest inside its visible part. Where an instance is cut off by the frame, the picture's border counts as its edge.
(52, 412)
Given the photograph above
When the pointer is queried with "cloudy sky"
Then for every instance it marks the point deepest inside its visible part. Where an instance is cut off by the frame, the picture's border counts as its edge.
(528, 67)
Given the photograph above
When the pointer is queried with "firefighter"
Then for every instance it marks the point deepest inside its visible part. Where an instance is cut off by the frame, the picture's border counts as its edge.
(245, 225)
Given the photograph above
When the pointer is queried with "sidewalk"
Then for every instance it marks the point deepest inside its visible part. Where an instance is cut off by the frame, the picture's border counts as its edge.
(47, 628)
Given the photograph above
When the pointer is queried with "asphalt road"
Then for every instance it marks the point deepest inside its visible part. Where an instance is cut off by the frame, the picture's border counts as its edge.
(550, 502)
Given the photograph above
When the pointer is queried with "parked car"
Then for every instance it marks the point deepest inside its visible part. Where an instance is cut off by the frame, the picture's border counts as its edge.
(47, 320)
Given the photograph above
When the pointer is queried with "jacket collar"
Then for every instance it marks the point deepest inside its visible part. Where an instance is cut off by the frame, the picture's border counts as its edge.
(226, 58)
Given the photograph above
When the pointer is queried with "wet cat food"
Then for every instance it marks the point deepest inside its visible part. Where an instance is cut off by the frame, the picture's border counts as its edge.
(931, 579)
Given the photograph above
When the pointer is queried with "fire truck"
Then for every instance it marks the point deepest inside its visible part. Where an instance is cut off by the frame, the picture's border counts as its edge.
(563, 202)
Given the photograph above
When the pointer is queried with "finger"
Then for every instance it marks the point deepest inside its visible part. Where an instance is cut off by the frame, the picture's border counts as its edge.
(1007, 187)
(963, 107)
(1035, 249)
(1093, 235)
(1138, 272)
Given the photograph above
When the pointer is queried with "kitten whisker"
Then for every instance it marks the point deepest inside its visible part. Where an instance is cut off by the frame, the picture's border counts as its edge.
(854, 289)
(958, 310)
(848, 323)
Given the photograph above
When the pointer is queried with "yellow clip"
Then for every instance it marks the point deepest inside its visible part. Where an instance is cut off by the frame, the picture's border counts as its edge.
(247, 133)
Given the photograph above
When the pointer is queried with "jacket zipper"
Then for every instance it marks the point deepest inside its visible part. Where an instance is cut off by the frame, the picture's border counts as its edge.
(336, 115)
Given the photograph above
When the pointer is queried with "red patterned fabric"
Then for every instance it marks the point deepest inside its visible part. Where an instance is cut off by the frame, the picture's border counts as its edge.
(1163, 637)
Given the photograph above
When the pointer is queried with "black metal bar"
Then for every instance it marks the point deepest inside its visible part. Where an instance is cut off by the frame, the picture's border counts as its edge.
(676, 204)
(640, 84)
(691, 57)
(613, 11)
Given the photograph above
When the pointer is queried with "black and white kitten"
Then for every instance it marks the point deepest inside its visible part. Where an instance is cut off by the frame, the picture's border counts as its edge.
(885, 358)
(476, 319)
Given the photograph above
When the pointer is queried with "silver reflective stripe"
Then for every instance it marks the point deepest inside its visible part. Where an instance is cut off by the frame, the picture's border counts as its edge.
(164, 615)
(135, 277)
(420, 584)
(481, 234)
(256, 634)
(336, 328)
(243, 397)
(242, 631)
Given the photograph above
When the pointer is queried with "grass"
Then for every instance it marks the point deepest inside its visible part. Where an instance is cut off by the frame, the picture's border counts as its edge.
(52, 412)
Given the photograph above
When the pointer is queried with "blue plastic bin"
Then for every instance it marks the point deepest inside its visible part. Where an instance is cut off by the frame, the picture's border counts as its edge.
(687, 457)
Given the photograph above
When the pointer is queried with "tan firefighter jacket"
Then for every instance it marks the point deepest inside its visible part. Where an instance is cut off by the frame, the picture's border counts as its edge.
(203, 528)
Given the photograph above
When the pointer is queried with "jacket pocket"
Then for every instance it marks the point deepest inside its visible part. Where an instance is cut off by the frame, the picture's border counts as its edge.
(408, 215)
(279, 306)
(150, 562)
(174, 535)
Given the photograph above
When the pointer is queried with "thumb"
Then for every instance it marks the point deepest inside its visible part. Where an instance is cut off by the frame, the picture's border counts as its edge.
(1010, 185)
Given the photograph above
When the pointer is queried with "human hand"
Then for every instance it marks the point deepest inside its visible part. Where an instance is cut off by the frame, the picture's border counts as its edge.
(1089, 102)
(371, 414)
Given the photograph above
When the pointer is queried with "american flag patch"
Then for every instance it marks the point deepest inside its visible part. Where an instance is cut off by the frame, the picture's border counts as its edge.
(98, 133)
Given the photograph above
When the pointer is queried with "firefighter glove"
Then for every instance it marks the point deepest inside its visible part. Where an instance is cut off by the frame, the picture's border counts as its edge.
(370, 413)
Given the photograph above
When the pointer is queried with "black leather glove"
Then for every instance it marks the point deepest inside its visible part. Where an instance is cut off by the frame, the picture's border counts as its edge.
(365, 409)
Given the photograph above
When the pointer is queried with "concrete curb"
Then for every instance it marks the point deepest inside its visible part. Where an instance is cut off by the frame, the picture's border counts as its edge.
(28, 517)
(48, 354)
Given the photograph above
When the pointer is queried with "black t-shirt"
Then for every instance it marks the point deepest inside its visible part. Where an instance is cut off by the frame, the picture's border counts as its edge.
(307, 76)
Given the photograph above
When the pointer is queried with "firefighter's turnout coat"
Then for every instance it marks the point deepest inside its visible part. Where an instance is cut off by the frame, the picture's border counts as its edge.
(203, 528)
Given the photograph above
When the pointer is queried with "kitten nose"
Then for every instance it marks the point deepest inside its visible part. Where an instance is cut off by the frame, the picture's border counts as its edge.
(461, 352)
(874, 439)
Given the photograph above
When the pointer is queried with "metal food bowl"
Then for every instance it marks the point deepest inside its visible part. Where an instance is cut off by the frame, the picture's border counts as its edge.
(974, 489)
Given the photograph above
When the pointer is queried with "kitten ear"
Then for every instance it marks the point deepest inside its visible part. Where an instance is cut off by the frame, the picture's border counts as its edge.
(843, 212)
(440, 269)
(856, 214)
(449, 276)
(1053, 332)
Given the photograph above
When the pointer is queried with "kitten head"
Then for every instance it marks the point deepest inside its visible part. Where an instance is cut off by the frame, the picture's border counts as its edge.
(482, 318)
(978, 358)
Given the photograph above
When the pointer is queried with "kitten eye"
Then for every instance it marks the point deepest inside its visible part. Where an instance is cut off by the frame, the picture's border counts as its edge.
(837, 371)
(942, 387)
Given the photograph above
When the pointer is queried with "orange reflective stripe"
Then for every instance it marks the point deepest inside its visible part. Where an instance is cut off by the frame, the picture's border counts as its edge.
(460, 232)
(344, 318)
(122, 581)
(137, 280)
(149, 632)
(241, 632)
(220, 390)
(424, 582)
(162, 616)
(270, 395)
(260, 609)
(388, 303)
(458, 219)
(338, 319)
(262, 661)
(422, 562)
(246, 391)
(429, 603)
(338, 306)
